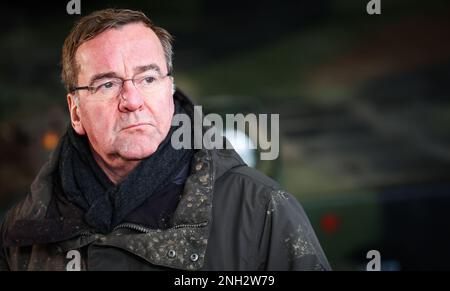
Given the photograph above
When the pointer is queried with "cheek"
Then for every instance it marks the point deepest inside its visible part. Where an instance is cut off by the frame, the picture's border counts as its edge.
(163, 110)
(97, 121)
(168, 112)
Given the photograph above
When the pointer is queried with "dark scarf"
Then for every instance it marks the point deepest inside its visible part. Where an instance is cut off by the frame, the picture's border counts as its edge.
(104, 203)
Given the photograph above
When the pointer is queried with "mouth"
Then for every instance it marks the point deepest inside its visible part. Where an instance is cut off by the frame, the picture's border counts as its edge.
(137, 125)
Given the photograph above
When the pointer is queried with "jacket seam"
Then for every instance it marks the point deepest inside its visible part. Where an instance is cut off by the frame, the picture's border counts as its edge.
(252, 258)
(257, 233)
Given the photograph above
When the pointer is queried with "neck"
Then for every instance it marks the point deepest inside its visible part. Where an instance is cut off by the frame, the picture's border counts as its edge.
(116, 169)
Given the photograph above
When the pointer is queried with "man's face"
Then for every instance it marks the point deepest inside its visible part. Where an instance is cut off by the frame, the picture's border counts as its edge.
(130, 126)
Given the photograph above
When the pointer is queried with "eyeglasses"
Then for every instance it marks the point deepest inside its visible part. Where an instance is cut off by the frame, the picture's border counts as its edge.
(108, 88)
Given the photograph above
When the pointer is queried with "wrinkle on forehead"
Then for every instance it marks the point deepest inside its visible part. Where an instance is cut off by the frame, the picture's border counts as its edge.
(119, 50)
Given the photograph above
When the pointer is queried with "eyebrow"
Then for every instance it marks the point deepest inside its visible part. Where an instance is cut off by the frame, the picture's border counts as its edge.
(137, 70)
(151, 67)
(102, 76)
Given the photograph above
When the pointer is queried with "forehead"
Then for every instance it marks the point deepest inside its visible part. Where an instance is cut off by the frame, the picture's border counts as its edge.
(119, 50)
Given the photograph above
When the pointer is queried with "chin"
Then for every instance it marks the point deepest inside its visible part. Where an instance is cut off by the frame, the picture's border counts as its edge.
(130, 156)
(138, 150)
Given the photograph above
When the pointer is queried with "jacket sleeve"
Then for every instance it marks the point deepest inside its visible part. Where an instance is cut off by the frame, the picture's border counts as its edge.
(287, 240)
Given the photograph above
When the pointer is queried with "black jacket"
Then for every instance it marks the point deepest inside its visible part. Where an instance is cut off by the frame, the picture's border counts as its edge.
(230, 217)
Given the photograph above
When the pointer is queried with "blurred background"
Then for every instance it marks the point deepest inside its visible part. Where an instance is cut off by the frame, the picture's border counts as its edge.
(364, 105)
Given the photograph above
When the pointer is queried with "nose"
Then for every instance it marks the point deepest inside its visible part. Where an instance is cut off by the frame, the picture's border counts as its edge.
(130, 98)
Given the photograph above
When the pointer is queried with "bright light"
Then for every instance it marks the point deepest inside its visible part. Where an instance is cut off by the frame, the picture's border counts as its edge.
(243, 145)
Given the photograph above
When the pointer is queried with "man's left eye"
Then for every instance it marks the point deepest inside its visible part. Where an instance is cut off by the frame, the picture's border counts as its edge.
(149, 80)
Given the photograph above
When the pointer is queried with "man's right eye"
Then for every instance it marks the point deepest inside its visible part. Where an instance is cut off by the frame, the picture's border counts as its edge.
(108, 85)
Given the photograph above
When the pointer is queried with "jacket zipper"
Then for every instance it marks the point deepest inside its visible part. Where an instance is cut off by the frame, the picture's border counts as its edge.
(148, 230)
(85, 233)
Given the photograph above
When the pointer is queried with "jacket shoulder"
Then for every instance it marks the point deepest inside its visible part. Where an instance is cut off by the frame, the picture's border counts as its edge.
(250, 181)
(252, 175)
(246, 187)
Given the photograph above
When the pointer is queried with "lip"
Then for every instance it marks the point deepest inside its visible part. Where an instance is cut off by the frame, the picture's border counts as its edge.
(136, 125)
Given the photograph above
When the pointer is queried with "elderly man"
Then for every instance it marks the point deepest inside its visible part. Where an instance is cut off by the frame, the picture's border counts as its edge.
(116, 195)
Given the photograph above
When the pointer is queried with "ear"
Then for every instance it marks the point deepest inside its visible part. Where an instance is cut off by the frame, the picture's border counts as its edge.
(75, 117)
